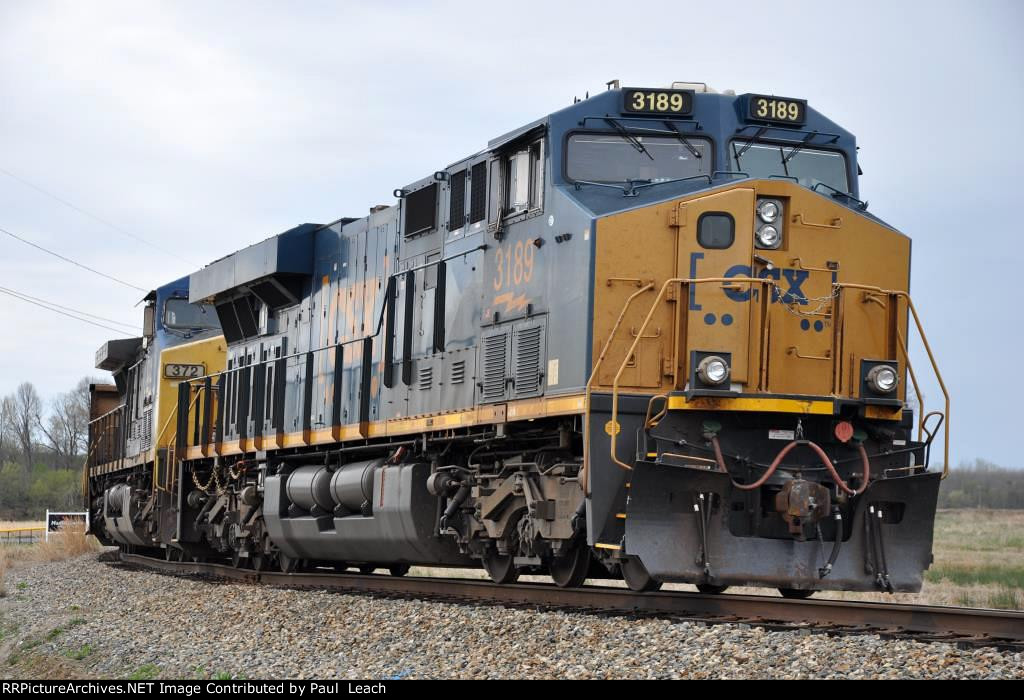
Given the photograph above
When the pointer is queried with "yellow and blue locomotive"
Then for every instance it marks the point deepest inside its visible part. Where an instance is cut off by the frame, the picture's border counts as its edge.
(654, 335)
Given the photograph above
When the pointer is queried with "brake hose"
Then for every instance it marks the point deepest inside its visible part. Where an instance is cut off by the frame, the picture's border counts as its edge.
(786, 450)
(827, 569)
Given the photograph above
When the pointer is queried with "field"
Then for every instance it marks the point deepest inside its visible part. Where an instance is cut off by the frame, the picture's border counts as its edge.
(71, 543)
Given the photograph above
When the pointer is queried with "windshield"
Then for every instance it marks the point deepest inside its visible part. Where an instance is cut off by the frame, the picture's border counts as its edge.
(178, 313)
(612, 158)
(807, 165)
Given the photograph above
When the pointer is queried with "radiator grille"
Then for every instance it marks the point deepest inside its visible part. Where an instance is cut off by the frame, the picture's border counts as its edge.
(528, 358)
(492, 386)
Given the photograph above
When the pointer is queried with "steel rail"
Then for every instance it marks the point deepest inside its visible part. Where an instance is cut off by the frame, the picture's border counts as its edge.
(964, 626)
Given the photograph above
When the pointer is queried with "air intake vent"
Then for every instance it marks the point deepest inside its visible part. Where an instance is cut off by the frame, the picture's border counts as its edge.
(457, 201)
(458, 372)
(528, 360)
(426, 379)
(494, 351)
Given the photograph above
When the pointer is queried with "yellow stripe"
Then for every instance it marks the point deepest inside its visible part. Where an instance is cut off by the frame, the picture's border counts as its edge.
(481, 415)
(744, 403)
(602, 545)
(620, 516)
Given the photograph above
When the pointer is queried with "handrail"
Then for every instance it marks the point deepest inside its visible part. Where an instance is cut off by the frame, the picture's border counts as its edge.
(156, 443)
(585, 476)
(683, 281)
(768, 281)
(931, 359)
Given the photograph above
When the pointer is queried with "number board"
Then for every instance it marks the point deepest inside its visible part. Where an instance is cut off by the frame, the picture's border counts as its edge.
(178, 371)
(783, 110)
(648, 101)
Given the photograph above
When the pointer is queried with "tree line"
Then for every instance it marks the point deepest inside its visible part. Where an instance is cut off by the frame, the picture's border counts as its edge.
(42, 450)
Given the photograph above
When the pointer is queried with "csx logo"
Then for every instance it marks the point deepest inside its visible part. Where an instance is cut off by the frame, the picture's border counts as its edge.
(793, 278)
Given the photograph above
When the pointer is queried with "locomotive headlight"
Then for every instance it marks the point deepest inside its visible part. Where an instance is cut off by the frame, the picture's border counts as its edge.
(882, 379)
(768, 211)
(713, 370)
(768, 236)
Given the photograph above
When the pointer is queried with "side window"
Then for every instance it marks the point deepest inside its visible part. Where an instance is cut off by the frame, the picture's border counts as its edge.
(421, 210)
(716, 230)
(524, 179)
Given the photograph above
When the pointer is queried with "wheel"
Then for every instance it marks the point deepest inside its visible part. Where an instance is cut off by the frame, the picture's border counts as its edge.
(170, 554)
(238, 561)
(570, 570)
(636, 576)
(258, 561)
(711, 589)
(795, 593)
(367, 569)
(500, 567)
(287, 564)
(399, 570)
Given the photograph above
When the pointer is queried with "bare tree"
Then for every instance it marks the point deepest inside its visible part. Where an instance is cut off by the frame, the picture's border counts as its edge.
(28, 409)
(67, 427)
(7, 439)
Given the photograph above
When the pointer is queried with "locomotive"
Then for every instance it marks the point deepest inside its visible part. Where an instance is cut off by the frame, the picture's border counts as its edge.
(655, 335)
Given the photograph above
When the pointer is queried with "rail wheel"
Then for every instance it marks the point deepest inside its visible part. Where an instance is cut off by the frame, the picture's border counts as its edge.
(711, 589)
(238, 561)
(399, 570)
(795, 593)
(570, 570)
(367, 569)
(287, 564)
(500, 567)
(636, 577)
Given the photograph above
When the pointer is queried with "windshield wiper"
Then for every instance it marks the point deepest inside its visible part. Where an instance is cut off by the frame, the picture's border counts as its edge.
(747, 146)
(681, 137)
(796, 149)
(633, 140)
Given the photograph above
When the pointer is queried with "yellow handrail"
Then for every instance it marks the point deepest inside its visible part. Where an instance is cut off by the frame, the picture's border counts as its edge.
(585, 476)
(768, 281)
(683, 281)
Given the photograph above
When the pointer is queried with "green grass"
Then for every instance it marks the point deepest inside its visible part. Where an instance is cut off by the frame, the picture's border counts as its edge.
(146, 672)
(54, 633)
(80, 653)
(75, 608)
(1010, 577)
(1004, 599)
(75, 622)
(22, 585)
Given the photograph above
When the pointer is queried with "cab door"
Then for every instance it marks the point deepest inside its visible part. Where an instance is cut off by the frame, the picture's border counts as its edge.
(716, 240)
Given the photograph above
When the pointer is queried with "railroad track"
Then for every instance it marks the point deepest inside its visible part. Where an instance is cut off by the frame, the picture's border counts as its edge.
(964, 627)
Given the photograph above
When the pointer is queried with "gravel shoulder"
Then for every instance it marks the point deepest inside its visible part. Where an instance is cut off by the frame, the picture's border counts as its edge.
(82, 618)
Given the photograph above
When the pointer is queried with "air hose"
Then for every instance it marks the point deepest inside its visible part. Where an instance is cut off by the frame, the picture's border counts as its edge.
(827, 569)
(843, 486)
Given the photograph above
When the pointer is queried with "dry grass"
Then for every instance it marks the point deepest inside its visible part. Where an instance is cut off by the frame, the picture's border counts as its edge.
(71, 541)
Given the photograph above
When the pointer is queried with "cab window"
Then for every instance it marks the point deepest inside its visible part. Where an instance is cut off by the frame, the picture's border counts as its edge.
(181, 315)
(808, 166)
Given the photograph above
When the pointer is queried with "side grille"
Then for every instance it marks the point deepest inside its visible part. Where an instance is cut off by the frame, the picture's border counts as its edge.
(458, 372)
(528, 359)
(478, 193)
(457, 201)
(492, 385)
(426, 379)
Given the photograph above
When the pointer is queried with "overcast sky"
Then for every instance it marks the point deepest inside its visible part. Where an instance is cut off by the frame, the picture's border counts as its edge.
(205, 126)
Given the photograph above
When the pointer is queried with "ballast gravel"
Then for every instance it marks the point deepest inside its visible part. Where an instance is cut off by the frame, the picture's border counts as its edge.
(83, 618)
